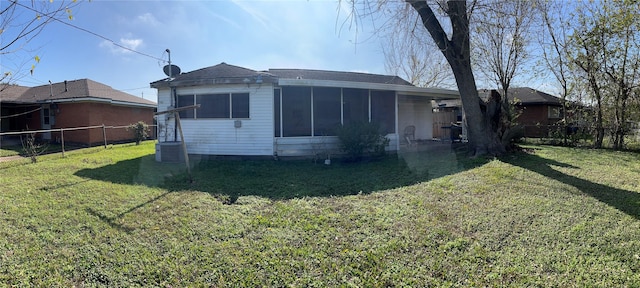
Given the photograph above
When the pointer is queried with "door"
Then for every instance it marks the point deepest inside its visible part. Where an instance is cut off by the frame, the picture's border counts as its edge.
(46, 121)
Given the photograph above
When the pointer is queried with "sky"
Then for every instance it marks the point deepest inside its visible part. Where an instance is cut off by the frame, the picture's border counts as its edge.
(254, 34)
(305, 34)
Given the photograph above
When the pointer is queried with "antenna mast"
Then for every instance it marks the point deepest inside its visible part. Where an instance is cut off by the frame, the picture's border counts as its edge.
(170, 68)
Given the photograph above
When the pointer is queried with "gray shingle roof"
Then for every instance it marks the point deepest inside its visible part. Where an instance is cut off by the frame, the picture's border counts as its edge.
(222, 70)
(82, 88)
(225, 73)
(10, 93)
(529, 96)
(337, 76)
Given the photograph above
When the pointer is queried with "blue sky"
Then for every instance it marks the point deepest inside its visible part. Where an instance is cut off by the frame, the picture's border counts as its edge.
(253, 34)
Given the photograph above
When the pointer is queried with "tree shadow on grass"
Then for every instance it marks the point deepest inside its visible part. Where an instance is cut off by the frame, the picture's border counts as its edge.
(278, 180)
(113, 221)
(281, 180)
(623, 200)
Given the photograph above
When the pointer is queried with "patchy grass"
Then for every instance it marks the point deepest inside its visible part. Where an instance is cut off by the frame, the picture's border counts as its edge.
(12, 150)
(114, 217)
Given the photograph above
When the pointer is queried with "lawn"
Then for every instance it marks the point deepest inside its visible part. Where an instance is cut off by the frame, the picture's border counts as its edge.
(13, 150)
(556, 217)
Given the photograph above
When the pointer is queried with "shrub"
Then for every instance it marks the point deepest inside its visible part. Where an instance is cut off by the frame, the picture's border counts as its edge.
(360, 138)
(32, 148)
(140, 131)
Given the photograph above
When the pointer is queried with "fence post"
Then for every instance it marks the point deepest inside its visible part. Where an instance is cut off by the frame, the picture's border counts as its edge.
(104, 135)
(62, 140)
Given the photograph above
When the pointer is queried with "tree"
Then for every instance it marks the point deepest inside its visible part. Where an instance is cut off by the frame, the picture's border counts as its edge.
(484, 120)
(607, 52)
(409, 56)
(21, 22)
(621, 61)
(555, 42)
(501, 44)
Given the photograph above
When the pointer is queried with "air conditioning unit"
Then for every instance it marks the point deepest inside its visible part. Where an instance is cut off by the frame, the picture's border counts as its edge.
(169, 152)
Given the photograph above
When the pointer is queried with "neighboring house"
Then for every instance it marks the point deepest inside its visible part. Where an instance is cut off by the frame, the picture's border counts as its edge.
(69, 104)
(287, 112)
(537, 111)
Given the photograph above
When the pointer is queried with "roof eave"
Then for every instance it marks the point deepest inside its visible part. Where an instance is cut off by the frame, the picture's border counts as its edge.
(435, 93)
(165, 83)
(99, 100)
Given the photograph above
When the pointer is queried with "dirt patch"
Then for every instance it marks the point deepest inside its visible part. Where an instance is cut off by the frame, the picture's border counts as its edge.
(10, 158)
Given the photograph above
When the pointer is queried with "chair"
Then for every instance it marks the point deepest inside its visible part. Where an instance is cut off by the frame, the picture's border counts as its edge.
(410, 134)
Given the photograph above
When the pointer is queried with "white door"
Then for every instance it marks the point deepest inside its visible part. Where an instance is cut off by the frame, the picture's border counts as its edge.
(46, 121)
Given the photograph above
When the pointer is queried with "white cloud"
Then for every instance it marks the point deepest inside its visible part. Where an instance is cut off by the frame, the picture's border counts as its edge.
(148, 18)
(119, 48)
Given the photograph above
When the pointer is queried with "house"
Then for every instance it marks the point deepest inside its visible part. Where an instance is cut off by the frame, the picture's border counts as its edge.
(537, 111)
(68, 104)
(287, 112)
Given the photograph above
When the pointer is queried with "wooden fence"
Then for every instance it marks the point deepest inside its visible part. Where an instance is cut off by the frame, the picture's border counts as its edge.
(443, 119)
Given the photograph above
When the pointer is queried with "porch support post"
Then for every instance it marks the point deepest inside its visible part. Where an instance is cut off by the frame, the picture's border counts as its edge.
(184, 147)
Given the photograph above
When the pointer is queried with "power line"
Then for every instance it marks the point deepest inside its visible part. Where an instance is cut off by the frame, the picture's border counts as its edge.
(90, 32)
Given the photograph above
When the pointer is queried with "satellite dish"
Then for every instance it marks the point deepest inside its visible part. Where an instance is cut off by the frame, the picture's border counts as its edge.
(171, 70)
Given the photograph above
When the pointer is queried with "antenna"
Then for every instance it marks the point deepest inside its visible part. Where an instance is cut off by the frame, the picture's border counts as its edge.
(170, 69)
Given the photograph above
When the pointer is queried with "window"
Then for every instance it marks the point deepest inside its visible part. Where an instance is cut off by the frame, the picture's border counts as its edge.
(318, 111)
(326, 111)
(183, 101)
(356, 105)
(296, 111)
(46, 116)
(215, 106)
(383, 112)
(555, 112)
(240, 105)
(212, 106)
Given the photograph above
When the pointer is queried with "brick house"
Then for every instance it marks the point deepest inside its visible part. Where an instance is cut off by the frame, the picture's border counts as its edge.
(69, 104)
(537, 110)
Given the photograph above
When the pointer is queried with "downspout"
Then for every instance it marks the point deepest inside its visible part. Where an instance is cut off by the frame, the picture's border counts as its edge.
(174, 99)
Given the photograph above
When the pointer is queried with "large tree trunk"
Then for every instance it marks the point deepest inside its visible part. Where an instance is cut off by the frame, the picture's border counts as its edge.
(483, 119)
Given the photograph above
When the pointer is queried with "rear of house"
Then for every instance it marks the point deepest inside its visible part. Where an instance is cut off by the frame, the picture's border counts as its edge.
(286, 112)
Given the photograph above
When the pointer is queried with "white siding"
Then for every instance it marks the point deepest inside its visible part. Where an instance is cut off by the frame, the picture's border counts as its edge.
(165, 121)
(220, 136)
(415, 111)
(255, 136)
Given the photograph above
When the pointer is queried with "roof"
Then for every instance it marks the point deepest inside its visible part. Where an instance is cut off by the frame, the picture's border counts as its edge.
(75, 90)
(224, 73)
(529, 96)
(338, 76)
(10, 93)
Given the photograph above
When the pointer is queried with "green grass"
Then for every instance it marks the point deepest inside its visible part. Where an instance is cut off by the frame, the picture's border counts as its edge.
(13, 150)
(10, 150)
(555, 217)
